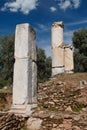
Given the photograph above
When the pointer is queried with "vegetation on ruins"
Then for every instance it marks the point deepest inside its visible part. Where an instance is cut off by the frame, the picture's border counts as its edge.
(7, 62)
(80, 53)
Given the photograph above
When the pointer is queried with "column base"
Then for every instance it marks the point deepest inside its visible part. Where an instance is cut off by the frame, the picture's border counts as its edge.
(23, 110)
(56, 71)
(69, 71)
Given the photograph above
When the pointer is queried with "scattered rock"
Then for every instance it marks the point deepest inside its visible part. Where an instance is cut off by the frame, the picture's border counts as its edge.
(54, 125)
(34, 123)
(76, 117)
(56, 128)
(67, 124)
(11, 122)
(69, 109)
(76, 128)
(41, 114)
(5, 87)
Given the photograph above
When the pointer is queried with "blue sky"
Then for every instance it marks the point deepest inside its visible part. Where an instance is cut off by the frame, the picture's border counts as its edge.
(41, 14)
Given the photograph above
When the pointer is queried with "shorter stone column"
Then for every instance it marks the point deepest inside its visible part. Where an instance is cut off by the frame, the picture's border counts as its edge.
(25, 71)
(69, 63)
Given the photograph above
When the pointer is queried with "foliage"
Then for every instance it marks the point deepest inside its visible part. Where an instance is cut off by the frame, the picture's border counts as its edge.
(80, 54)
(7, 62)
(3, 83)
(78, 107)
(48, 67)
(6, 58)
(43, 65)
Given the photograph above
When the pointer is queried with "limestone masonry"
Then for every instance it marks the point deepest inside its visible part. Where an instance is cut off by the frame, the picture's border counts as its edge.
(25, 69)
(62, 55)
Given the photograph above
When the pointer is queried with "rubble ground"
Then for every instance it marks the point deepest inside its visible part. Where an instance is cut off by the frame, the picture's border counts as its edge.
(62, 104)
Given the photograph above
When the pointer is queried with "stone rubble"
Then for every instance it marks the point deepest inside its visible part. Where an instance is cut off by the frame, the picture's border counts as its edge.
(11, 122)
(62, 105)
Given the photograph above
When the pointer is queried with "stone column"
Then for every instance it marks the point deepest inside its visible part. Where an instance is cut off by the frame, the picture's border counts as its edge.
(69, 63)
(57, 48)
(25, 70)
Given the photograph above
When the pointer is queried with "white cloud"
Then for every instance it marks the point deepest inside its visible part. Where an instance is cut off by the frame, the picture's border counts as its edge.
(76, 23)
(24, 6)
(76, 3)
(65, 4)
(53, 9)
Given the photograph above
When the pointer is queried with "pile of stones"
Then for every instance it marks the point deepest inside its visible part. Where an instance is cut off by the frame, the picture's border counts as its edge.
(62, 120)
(59, 97)
(11, 121)
(61, 105)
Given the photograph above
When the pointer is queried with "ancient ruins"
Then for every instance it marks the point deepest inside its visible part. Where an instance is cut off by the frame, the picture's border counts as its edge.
(62, 55)
(25, 70)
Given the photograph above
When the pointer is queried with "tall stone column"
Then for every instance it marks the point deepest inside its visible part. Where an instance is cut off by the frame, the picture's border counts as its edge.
(57, 48)
(25, 70)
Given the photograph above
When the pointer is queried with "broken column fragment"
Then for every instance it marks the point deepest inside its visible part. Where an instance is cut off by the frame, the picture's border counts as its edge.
(25, 70)
(69, 61)
(57, 48)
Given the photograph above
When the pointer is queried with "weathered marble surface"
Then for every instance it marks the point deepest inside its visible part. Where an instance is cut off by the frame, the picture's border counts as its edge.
(69, 61)
(57, 48)
(62, 55)
(57, 33)
(25, 68)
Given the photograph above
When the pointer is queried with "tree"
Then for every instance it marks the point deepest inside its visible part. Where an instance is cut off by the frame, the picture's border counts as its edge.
(7, 62)
(43, 65)
(48, 67)
(7, 58)
(80, 54)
